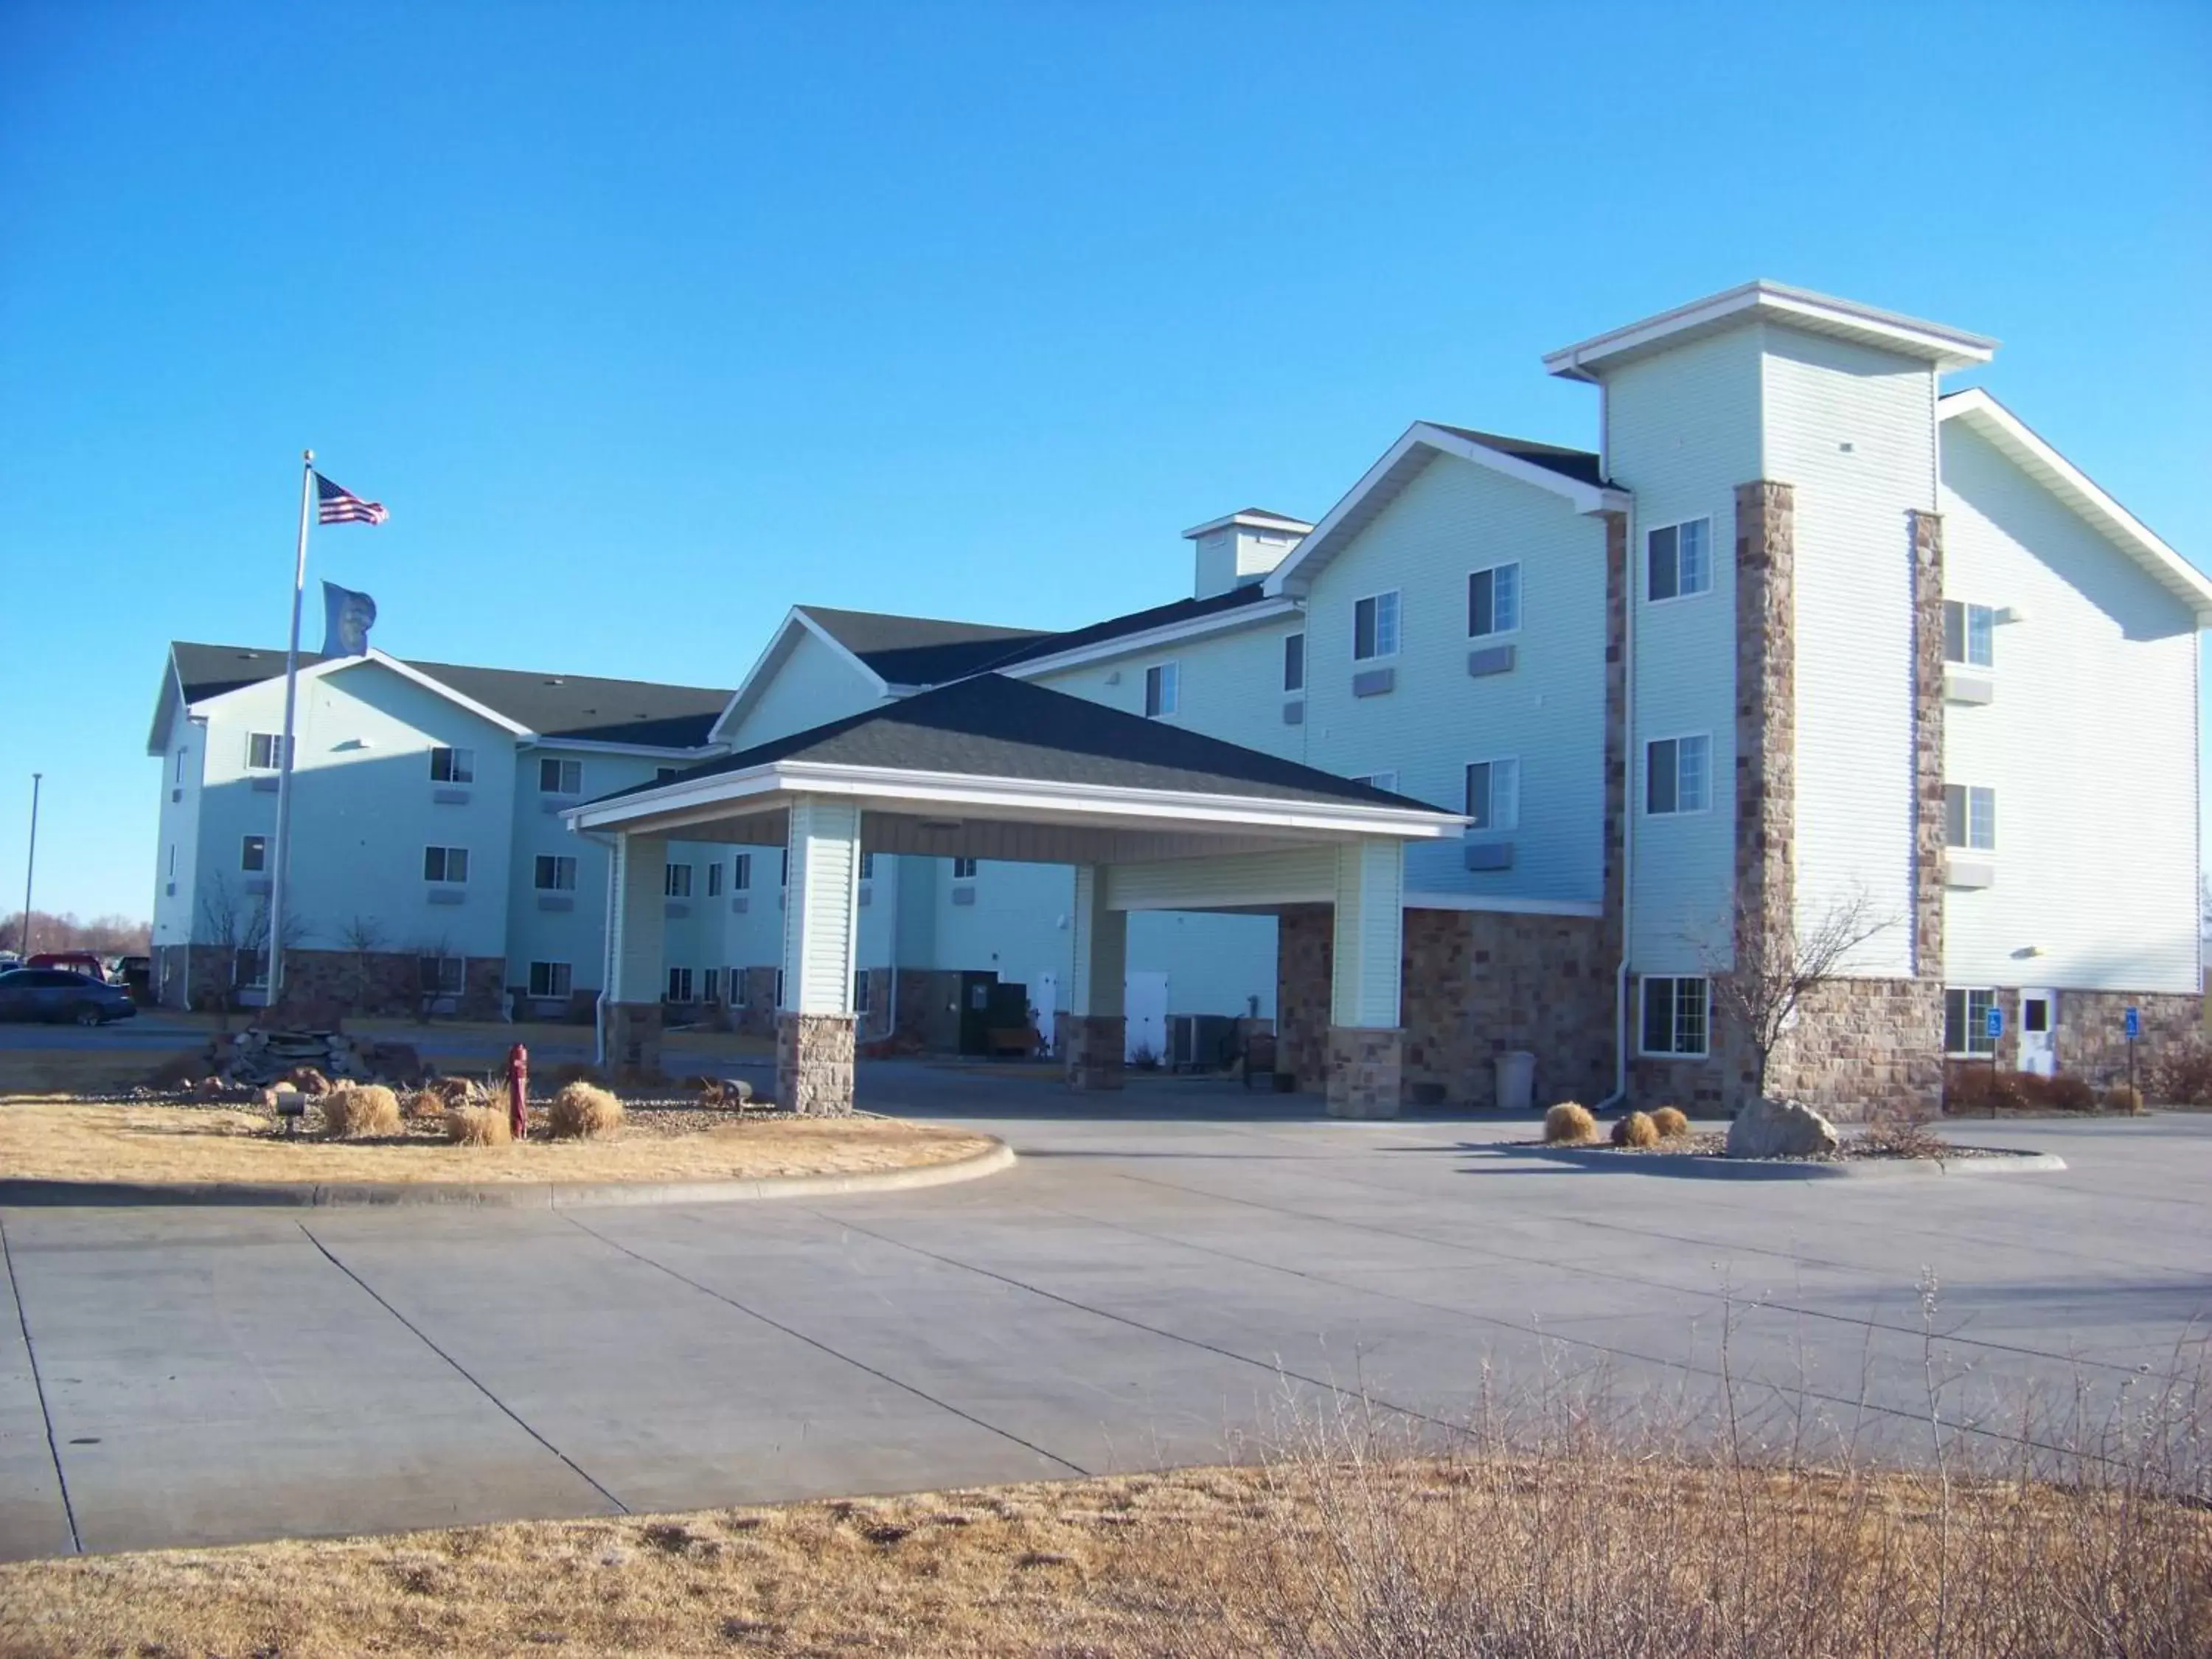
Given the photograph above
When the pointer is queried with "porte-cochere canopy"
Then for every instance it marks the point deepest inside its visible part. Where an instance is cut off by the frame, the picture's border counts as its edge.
(1149, 814)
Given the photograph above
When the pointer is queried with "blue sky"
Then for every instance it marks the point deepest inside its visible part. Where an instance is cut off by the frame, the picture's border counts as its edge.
(647, 321)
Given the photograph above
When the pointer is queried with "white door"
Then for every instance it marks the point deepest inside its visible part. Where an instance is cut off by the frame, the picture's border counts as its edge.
(2038, 1032)
(1144, 1000)
(1045, 999)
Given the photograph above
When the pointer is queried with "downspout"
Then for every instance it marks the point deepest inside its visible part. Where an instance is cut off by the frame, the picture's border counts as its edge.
(898, 903)
(607, 977)
(1627, 758)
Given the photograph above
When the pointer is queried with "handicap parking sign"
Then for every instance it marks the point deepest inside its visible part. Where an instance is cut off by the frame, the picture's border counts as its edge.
(2135, 1023)
(1996, 1023)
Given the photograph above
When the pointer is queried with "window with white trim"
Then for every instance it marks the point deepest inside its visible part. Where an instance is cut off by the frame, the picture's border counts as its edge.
(740, 993)
(440, 976)
(1970, 817)
(1379, 780)
(963, 869)
(1375, 626)
(1294, 662)
(1970, 634)
(1678, 560)
(560, 777)
(180, 765)
(741, 872)
(675, 881)
(867, 866)
(1163, 685)
(453, 766)
(1493, 600)
(1677, 1017)
(680, 985)
(1493, 795)
(779, 987)
(555, 873)
(253, 854)
(715, 872)
(551, 978)
(710, 987)
(263, 750)
(859, 990)
(1677, 774)
(449, 865)
(783, 868)
(1966, 1022)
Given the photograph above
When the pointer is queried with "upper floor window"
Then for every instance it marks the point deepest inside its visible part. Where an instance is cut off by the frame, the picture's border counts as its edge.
(1294, 662)
(1493, 600)
(1162, 685)
(1375, 627)
(447, 864)
(1678, 774)
(867, 866)
(715, 873)
(453, 766)
(555, 873)
(861, 991)
(1970, 634)
(783, 868)
(963, 869)
(675, 881)
(1970, 817)
(1493, 795)
(549, 979)
(253, 854)
(1966, 1022)
(1677, 1016)
(1384, 781)
(1679, 560)
(180, 765)
(741, 872)
(662, 773)
(560, 777)
(263, 750)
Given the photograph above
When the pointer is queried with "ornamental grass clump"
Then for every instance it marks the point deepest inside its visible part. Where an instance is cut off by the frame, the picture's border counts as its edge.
(1636, 1129)
(361, 1110)
(583, 1112)
(1670, 1123)
(477, 1126)
(1569, 1124)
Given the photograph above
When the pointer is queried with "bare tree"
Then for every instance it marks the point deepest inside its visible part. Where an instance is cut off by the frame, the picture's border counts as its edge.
(430, 991)
(238, 924)
(1773, 971)
(364, 937)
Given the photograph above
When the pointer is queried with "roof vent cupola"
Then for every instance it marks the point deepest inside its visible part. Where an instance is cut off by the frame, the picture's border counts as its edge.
(1241, 548)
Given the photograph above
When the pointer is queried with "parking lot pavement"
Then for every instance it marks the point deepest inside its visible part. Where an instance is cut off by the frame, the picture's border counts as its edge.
(1160, 1278)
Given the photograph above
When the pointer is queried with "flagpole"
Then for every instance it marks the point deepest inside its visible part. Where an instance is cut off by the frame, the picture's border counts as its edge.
(276, 880)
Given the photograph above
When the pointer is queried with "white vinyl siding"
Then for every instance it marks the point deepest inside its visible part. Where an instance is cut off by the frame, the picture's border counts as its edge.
(814, 684)
(1220, 686)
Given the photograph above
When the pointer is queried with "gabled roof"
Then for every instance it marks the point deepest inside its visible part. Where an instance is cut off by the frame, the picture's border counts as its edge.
(1800, 307)
(2014, 439)
(991, 726)
(916, 650)
(1571, 474)
(1177, 615)
(1252, 518)
(578, 707)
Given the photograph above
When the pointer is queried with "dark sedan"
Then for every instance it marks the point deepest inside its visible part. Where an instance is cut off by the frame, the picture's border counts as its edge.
(55, 994)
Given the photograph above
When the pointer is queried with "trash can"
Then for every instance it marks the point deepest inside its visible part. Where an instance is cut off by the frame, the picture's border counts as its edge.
(1516, 1079)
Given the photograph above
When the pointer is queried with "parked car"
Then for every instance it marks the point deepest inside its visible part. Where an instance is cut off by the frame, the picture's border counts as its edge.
(72, 962)
(54, 994)
(136, 976)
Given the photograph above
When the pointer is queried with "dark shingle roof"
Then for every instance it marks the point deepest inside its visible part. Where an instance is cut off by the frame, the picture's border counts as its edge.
(991, 726)
(1136, 621)
(578, 706)
(917, 650)
(1577, 464)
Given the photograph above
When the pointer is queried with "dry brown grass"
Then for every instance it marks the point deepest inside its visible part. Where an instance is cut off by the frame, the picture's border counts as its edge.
(1636, 1129)
(582, 1111)
(361, 1110)
(1569, 1124)
(76, 1070)
(478, 1125)
(1671, 1122)
(71, 1141)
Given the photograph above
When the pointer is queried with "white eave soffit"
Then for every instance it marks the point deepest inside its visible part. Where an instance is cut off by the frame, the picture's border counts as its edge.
(1152, 639)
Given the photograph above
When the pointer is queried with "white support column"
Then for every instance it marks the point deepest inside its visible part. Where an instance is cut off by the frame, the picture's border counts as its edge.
(1365, 1042)
(636, 915)
(821, 932)
(1097, 1025)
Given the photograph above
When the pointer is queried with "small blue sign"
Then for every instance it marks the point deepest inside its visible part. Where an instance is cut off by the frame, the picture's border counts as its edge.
(2135, 1023)
(1996, 1024)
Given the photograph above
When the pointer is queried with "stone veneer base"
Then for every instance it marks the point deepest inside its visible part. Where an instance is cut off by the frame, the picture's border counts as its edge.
(814, 1064)
(634, 1037)
(1365, 1070)
(1095, 1045)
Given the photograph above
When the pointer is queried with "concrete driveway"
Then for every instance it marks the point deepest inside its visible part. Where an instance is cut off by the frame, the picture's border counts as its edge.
(1156, 1279)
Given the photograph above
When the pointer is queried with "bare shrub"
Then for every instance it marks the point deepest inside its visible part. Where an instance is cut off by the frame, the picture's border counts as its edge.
(2180, 1074)
(1569, 1124)
(2072, 1094)
(368, 1109)
(423, 1104)
(1636, 1129)
(582, 1112)
(459, 1091)
(1901, 1135)
(1670, 1122)
(477, 1126)
(2123, 1097)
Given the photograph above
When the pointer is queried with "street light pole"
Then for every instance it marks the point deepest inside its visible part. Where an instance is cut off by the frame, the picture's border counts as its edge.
(30, 867)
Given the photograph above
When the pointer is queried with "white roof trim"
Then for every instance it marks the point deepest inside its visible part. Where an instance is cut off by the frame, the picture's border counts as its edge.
(697, 756)
(1890, 331)
(334, 664)
(698, 799)
(171, 695)
(2014, 439)
(1251, 521)
(770, 661)
(1123, 645)
(1504, 904)
(1310, 557)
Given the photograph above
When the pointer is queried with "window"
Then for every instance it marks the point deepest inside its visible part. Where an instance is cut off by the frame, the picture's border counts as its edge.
(447, 863)
(1161, 685)
(1379, 780)
(867, 866)
(1970, 634)
(741, 872)
(1294, 662)
(549, 979)
(1675, 1015)
(181, 766)
(1493, 600)
(1375, 627)
(740, 994)
(560, 777)
(1970, 817)
(783, 868)
(779, 987)
(1679, 560)
(172, 860)
(253, 854)
(1966, 1022)
(262, 751)
(250, 968)
(963, 869)
(440, 976)
(1677, 774)
(1493, 795)
(861, 991)
(715, 874)
(680, 985)
(662, 773)
(710, 987)
(453, 766)
(675, 881)
(556, 874)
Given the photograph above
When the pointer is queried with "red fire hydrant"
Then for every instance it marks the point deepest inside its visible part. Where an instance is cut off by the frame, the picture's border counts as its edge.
(518, 1092)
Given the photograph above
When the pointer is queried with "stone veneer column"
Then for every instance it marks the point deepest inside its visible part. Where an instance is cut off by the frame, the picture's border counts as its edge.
(636, 923)
(1098, 1026)
(1366, 1042)
(814, 1064)
(1927, 753)
(1765, 747)
(814, 1027)
(1615, 878)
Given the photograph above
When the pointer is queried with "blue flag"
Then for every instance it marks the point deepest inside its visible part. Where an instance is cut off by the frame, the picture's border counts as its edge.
(347, 618)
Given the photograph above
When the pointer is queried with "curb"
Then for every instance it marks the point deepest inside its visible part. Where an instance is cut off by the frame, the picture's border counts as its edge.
(495, 1196)
(1997, 1161)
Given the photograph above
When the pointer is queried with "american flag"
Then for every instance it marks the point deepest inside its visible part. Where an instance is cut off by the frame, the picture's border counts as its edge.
(335, 504)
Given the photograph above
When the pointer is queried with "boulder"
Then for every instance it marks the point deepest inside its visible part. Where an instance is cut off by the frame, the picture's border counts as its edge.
(1780, 1128)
